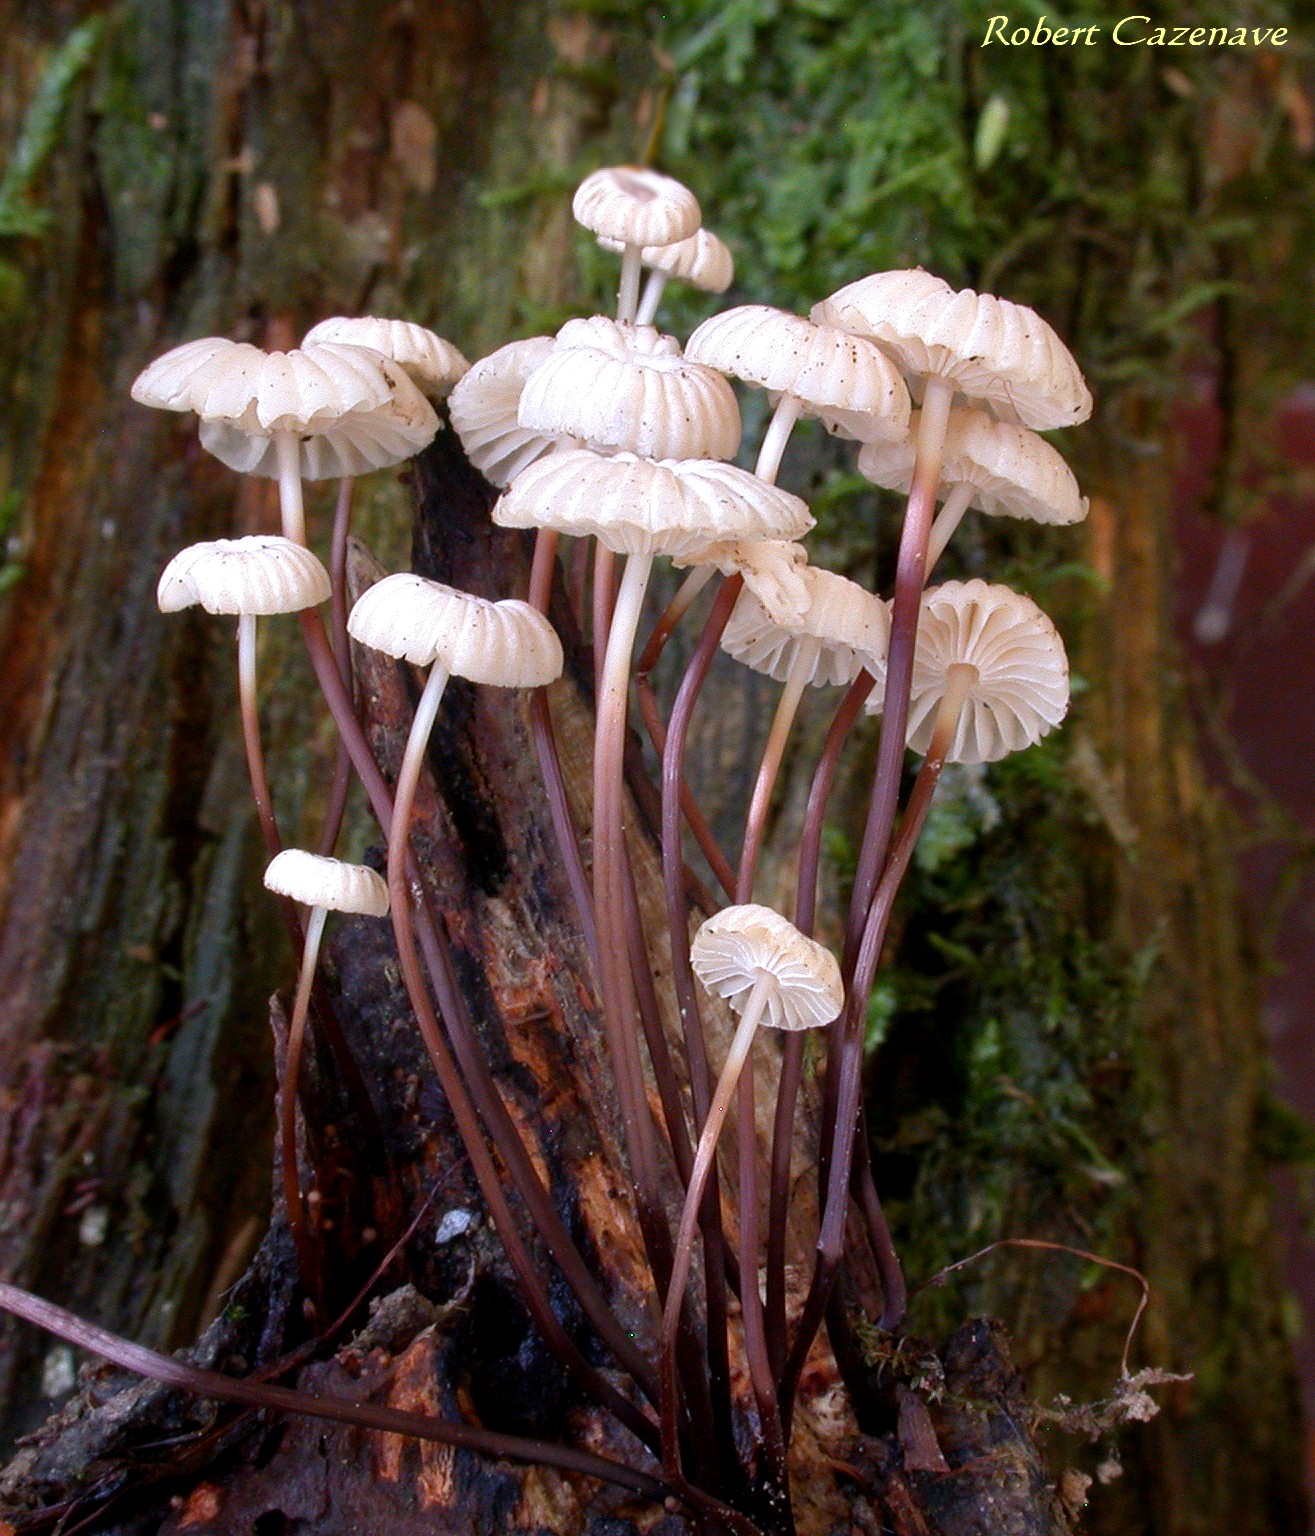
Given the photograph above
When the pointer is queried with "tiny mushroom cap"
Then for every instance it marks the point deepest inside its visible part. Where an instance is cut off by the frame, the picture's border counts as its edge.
(771, 569)
(823, 367)
(636, 206)
(628, 387)
(1012, 471)
(1021, 689)
(507, 643)
(845, 625)
(703, 260)
(352, 409)
(483, 410)
(1000, 355)
(317, 881)
(637, 506)
(260, 574)
(739, 945)
(434, 365)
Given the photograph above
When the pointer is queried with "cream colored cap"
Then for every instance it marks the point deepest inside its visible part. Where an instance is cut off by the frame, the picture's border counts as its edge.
(260, 574)
(433, 364)
(636, 206)
(822, 366)
(738, 945)
(483, 411)
(507, 643)
(628, 387)
(1013, 472)
(1021, 691)
(770, 567)
(703, 261)
(331, 448)
(317, 881)
(846, 626)
(637, 506)
(1001, 355)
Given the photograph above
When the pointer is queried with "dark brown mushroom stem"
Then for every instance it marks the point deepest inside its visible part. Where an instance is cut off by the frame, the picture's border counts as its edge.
(715, 1256)
(251, 742)
(533, 1288)
(848, 1068)
(342, 768)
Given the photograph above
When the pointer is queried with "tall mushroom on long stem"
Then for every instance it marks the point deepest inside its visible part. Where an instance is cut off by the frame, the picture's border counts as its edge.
(636, 207)
(990, 677)
(324, 885)
(702, 261)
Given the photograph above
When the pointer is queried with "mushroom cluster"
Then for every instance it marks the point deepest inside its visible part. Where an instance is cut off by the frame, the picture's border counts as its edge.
(615, 437)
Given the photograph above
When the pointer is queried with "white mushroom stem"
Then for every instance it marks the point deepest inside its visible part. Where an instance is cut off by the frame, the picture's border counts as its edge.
(627, 298)
(246, 689)
(291, 1072)
(704, 1158)
(776, 437)
(291, 507)
(947, 520)
(408, 777)
(801, 669)
(653, 291)
(609, 890)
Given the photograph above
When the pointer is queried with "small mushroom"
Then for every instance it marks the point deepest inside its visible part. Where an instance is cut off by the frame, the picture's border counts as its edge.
(637, 207)
(324, 885)
(248, 577)
(484, 406)
(433, 364)
(703, 261)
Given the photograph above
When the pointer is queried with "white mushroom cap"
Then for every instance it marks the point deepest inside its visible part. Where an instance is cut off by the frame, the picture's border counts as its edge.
(317, 881)
(260, 574)
(351, 444)
(848, 625)
(820, 365)
(703, 261)
(770, 567)
(508, 643)
(483, 410)
(637, 506)
(738, 945)
(627, 387)
(1001, 355)
(1013, 472)
(636, 206)
(1021, 691)
(433, 364)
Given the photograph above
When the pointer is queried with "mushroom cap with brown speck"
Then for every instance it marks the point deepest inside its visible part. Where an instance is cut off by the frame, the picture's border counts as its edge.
(262, 573)
(636, 205)
(737, 946)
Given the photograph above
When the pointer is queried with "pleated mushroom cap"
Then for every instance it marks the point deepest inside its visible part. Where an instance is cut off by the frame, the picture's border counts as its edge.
(1021, 691)
(703, 260)
(738, 945)
(1002, 356)
(770, 567)
(317, 881)
(823, 367)
(636, 206)
(627, 387)
(433, 364)
(848, 626)
(260, 574)
(1013, 472)
(483, 410)
(637, 506)
(507, 643)
(331, 448)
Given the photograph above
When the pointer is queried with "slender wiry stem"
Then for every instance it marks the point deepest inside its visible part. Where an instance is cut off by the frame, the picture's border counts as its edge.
(191, 1378)
(627, 297)
(947, 520)
(910, 575)
(801, 671)
(292, 1199)
(342, 649)
(777, 435)
(848, 1074)
(291, 507)
(693, 583)
(604, 600)
(255, 753)
(704, 1159)
(653, 291)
